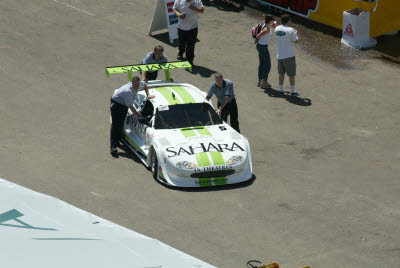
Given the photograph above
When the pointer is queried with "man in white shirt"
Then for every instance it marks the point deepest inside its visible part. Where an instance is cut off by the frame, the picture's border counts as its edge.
(285, 38)
(187, 12)
(121, 100)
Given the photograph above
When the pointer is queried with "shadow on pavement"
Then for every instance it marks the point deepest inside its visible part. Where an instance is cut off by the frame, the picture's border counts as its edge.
(164, 37)
(212, 188)
(389, 47)
(203, 71)
(292, 99)
(124, 151)
(233, 6)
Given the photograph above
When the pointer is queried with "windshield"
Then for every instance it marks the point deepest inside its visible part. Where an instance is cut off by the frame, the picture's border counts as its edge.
(186, 115)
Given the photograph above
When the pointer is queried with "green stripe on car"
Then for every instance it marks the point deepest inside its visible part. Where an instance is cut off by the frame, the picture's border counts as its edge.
(168, 95)
(205, 182)
(202, 160)
(188, 132)
(191, 131)
(202, 131)
(219, 180)
(184, 94)
(217, 158)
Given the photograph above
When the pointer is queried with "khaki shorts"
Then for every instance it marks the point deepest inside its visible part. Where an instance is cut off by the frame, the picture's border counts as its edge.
(287, 65)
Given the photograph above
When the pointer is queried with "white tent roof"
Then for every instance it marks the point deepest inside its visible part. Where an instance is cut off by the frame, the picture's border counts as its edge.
(37, 230)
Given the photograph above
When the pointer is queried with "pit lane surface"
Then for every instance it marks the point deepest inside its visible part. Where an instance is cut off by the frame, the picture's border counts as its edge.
(326, 192)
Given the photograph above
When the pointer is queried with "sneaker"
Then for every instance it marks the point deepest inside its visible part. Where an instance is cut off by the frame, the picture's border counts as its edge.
(296, 93)
(265, 85)
(114, 151)
(179, 57)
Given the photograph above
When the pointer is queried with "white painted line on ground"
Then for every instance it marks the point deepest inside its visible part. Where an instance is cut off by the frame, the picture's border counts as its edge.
(96, 194)
(81, 10)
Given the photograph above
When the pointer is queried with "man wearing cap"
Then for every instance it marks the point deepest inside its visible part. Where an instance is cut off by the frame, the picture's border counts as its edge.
(223, 90)
(187, 12)
(157, 56)
(121, 100)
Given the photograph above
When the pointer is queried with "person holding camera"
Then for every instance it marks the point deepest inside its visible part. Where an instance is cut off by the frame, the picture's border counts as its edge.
(187, 12)
(121, 100)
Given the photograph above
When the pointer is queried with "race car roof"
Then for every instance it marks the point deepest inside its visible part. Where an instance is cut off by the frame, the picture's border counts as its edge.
(175, 93)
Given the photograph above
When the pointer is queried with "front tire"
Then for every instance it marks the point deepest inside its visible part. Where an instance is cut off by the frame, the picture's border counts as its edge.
(154, 164)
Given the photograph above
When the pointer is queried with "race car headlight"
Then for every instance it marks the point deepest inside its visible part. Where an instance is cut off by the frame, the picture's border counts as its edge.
(186, 165)
(237, 159)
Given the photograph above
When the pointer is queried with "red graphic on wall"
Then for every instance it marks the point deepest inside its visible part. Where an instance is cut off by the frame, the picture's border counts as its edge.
(349, 31)
(169, 6)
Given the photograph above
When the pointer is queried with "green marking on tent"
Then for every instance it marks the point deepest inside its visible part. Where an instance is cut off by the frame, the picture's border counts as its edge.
(188, 132)
(217, 158)
(184, 94)
(168, 95)
(202, 159)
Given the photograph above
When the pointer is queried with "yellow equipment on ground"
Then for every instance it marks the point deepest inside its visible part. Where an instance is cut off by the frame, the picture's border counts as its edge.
(258, 264)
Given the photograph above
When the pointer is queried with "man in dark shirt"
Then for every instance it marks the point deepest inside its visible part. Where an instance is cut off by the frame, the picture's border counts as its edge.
(223, 90)
(157, 56)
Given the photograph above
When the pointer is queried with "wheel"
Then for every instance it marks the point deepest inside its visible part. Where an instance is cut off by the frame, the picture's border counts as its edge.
(154, 164)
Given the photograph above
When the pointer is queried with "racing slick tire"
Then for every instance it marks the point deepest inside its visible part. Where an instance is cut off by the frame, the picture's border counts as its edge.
(154, 164)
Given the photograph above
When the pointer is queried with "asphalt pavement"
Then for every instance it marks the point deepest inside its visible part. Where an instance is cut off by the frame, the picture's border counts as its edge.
(326, 164)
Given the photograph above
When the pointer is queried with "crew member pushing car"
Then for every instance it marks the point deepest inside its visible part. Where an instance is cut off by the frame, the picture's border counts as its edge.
(157, 56)
(223, 90)
(121, 100)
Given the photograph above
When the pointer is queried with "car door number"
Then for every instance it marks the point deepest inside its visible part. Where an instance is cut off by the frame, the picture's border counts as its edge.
(139, 128)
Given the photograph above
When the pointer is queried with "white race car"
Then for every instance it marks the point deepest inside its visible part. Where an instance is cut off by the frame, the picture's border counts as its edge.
(183, 141)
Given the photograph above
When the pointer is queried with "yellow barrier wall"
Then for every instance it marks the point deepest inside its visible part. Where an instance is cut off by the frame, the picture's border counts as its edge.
(385, 19)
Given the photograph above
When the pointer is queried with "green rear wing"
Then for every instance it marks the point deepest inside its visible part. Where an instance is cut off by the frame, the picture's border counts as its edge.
(129, 69)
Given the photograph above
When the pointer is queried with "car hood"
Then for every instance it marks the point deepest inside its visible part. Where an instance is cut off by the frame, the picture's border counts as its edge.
(203, 146)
